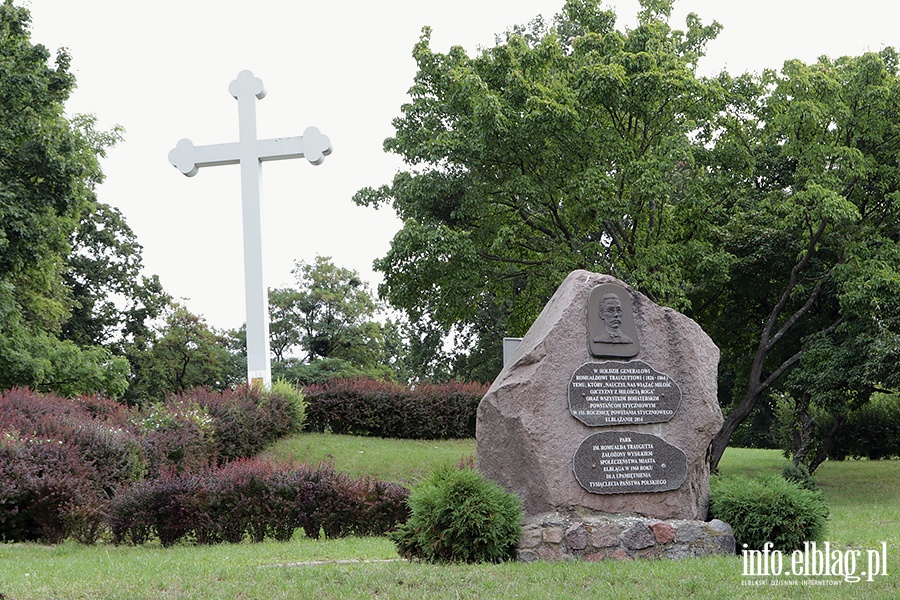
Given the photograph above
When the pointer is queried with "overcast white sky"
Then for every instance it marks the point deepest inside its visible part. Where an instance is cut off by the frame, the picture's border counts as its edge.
(161, 70)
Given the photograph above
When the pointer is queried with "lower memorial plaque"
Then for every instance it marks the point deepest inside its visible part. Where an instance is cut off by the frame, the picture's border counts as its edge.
(627, 462)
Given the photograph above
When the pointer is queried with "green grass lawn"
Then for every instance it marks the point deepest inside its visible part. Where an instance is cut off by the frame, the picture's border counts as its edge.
(402, 461)
(864, 498)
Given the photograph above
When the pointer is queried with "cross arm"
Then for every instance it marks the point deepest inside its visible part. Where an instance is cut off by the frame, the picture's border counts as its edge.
(188, 158)
(312, 145)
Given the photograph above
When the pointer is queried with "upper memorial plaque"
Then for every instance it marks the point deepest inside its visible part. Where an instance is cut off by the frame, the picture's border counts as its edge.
(611, 330)
(617, 393)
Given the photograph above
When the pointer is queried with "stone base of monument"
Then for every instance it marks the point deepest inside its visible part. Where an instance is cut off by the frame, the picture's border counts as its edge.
(556, 536)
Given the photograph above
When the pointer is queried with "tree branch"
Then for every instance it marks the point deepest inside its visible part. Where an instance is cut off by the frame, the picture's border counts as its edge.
(792, 320)
(514, 261)
(766, 342)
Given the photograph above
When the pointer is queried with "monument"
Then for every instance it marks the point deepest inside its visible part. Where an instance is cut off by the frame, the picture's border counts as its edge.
(250, 153)
(601, 421)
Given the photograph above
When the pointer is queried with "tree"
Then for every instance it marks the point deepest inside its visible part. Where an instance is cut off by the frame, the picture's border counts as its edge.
(285, 322)
(184, 353)
(417, 351)
(560, 148)
(112, 302)
(761, 206)
(330, 318)
(807, 164)
(49, 167)
(47, 364)
(334, 306)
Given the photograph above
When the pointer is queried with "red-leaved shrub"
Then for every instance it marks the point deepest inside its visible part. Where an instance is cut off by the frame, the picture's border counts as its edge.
(47, 492)
(61, 460)
(178, 470)
(99, 428)
(177, 436)
(237, 501)
(256, 500)
(132, 515)
(361, 506)
(245, 420)
(295, 494)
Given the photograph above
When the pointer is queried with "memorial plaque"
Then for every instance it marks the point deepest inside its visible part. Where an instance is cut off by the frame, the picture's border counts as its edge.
(611, 330)
(622, 393)
(627, 462)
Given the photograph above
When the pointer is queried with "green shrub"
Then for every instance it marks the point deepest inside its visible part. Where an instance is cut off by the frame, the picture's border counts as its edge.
(769, 509)
(458, 516)
(293, 399)
(872, 432)
(799, 475)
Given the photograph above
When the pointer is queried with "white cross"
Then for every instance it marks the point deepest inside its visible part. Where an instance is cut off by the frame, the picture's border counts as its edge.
(250, 152)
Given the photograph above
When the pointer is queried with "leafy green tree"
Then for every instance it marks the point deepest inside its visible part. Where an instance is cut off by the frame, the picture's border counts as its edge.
(184, 353)
(330, 319)
(559, 148)
(806, 164)
(112, 302)
(416, 353)
(47, 364)
(334, 306)
(49, 167)
(764, 206)
(321, 370)
(285, 322)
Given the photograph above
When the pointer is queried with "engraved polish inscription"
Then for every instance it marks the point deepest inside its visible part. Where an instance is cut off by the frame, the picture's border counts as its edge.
(622, 393)
(627, 462)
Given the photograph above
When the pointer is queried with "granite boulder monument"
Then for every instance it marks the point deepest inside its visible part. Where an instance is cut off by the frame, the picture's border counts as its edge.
(606, 409)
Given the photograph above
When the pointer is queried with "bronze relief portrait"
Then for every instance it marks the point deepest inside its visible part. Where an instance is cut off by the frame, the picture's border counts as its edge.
(611, 330)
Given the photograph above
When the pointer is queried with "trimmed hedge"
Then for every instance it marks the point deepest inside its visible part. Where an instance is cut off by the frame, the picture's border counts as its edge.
(384, 409)
(255, 500)
(360, 506)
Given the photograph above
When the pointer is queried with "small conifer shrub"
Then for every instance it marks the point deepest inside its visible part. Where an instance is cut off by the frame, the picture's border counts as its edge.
(459, 516)
(800, 475)
(770, 509)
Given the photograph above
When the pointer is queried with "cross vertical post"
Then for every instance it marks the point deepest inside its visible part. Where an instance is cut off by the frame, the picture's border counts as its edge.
(250, 152)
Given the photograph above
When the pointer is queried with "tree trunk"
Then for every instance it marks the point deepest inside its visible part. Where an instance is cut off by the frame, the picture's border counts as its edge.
(772, 333)
(732, 422)
(802, 434)
(827, 444)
